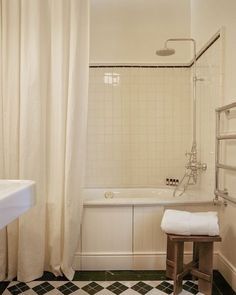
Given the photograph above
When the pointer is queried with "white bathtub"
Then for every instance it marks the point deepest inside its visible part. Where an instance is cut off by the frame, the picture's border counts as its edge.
(123, 231)
(144, 196)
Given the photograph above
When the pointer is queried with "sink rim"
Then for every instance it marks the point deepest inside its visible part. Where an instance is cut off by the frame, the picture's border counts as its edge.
(16, 198)
(23, 183)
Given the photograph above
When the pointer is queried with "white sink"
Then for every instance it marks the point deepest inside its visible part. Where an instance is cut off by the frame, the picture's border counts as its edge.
(16, 197)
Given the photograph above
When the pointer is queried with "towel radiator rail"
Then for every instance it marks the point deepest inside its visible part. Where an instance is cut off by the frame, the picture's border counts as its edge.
(219, 137)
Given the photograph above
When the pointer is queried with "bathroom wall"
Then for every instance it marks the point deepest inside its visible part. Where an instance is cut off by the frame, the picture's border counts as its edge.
(138, 126)
(131, 31)
(209, 16)
(206, 18)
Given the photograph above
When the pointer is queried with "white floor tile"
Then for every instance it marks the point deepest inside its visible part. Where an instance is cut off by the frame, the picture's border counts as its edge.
(129, 292)
(155, 292)
(105, 292)
(129, 284)
(105, 284)
(153, 283)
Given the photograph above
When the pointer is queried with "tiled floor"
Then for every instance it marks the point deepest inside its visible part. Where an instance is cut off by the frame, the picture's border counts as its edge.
(110, 283)
(99, 288)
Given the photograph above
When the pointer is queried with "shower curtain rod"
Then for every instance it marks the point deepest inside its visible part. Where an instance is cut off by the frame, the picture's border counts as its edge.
(160, 65)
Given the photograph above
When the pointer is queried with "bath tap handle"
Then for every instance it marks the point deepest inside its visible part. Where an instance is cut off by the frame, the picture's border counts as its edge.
(108, 195)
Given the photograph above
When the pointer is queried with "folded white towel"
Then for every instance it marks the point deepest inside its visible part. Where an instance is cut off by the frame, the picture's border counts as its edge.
(188, 223)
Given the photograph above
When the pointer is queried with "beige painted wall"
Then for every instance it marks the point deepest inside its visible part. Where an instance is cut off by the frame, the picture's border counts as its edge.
(130, 31)
(206, 18)
(209, 16)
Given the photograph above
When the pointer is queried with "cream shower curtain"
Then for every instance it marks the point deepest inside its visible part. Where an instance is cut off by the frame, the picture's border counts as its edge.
(43, 107)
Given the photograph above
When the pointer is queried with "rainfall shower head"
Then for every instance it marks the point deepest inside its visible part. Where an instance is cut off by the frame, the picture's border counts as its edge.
(165, 51)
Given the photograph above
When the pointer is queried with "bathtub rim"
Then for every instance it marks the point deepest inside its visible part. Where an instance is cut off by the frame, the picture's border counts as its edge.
(190, 198)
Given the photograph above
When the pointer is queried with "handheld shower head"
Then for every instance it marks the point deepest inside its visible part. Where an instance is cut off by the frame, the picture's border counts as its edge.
(165, 51)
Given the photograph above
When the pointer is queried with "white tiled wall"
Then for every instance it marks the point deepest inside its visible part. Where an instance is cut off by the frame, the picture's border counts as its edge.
(139, 126)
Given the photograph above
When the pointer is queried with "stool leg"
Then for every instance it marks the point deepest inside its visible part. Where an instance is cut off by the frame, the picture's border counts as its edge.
(195, 256)
(170, 259)
(178, 268)
(206, 266)
(195, 252)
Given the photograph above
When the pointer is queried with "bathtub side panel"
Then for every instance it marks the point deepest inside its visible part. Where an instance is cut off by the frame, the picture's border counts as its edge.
(106, 238)
(148, 236)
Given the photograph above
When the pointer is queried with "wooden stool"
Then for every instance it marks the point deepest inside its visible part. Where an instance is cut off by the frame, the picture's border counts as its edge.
(201, 265)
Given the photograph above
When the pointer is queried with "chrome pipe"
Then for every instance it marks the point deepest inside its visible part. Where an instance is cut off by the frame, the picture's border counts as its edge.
(217, 152)
(226, 136)
(224, 194)
(226, 107)
(226, 167)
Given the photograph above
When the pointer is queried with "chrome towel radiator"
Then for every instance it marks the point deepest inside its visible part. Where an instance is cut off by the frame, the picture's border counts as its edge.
(219, 137)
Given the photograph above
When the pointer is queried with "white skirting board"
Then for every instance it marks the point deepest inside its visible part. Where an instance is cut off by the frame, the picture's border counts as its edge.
(227, 270)
(125, 261)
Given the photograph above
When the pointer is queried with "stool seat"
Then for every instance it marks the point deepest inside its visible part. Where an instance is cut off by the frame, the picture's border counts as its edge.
(200, 267)
(196, 238)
